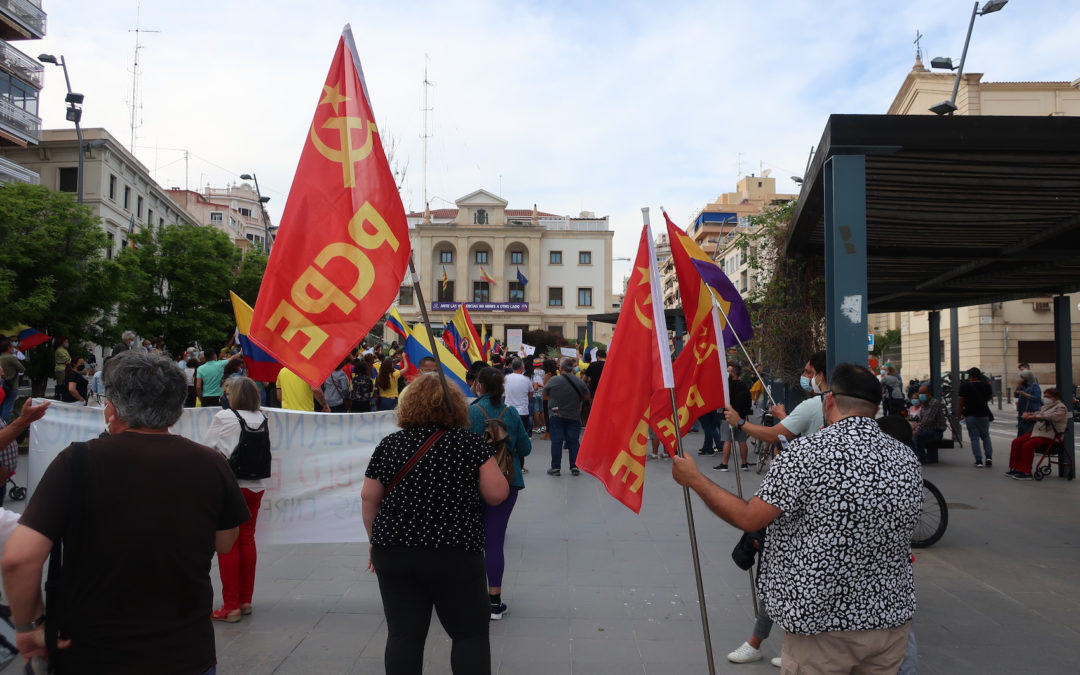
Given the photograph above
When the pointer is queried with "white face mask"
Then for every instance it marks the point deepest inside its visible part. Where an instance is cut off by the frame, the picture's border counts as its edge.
(815, 386)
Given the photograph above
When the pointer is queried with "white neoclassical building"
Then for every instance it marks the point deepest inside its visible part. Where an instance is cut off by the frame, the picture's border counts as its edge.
(479, 248)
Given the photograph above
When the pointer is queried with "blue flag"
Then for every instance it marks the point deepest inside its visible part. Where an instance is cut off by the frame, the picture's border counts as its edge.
(521, 277)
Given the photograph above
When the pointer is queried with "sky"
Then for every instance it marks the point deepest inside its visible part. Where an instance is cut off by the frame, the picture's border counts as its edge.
(598, 106)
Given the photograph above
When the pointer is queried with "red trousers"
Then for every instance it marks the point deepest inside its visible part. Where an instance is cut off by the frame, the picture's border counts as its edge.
(237, 567)
(1023, 451)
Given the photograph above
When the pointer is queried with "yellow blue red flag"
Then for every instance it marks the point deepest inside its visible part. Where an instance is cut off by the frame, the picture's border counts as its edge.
(261, 367)
(461, 338)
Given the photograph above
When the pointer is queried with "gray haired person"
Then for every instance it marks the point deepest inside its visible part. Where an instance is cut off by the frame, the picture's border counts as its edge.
(145, 510)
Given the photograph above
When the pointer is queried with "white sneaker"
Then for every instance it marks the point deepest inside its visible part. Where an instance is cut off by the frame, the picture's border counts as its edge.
(776, 662)
(744, 654)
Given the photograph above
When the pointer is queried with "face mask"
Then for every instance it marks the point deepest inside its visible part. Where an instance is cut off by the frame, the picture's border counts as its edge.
(80, 368)
(1025, 373)
(882, 371)
(915, 401)
(815, 386)
(922, 398)
(804, 382)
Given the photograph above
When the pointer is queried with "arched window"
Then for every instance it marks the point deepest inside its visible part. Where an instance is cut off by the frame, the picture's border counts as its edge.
(480, 217)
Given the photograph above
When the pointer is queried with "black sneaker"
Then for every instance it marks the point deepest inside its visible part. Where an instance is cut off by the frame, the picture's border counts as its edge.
(554, 472)
(574, 471)
(499, 611)
(745, 467)
(1011, 472)
(703, 451)
(720, 467)
(989, 462)
(1020, 475)
(978, 465)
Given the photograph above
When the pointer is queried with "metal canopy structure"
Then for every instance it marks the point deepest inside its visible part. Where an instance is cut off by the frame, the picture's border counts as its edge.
(908, 213)
(959, 210)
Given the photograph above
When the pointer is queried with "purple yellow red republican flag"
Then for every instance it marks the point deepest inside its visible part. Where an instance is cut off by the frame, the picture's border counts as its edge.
(701, 367)
(692, 262)
(343, 243)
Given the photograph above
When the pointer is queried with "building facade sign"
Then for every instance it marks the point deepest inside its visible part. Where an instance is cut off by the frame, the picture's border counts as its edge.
(481, 306)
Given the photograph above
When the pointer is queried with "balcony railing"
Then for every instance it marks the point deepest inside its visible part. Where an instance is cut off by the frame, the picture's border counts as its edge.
(10, 172)
(24, 67)
(26, 125)
(576, 224)
(26, 13)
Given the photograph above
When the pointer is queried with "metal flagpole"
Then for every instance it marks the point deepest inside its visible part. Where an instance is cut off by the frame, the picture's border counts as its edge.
(654, 280)
(427, 324)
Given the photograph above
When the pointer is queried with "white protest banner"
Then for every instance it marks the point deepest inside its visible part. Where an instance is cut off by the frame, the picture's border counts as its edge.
(569, 351)
(313, 495)
(526, 350)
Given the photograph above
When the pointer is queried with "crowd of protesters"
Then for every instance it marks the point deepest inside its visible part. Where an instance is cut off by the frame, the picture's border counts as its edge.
(421, 559)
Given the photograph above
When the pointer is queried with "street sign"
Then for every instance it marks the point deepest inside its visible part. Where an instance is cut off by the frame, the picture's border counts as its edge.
(869, 342)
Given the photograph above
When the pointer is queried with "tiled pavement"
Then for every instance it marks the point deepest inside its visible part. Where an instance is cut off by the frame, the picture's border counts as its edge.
(595, 589)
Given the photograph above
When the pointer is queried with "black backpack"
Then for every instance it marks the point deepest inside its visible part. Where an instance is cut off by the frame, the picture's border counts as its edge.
(250, 460)
(363, 386)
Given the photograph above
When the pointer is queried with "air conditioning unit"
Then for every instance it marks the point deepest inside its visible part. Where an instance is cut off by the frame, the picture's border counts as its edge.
(1041, 306)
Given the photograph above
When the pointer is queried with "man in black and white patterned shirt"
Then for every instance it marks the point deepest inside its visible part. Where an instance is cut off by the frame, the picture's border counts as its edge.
(841, 508)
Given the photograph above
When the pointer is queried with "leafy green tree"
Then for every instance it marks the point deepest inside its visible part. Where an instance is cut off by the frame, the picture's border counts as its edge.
(53, 274)
(787, 306)
(176, 282)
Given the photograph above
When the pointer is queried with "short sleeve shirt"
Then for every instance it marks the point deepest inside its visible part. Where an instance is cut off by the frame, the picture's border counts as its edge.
(210, 373)
(565, 393)
(518, 387)
(437, 503)
(806, 419)
(976, 395)
(141, 597)
(295, 393)
(838, 558)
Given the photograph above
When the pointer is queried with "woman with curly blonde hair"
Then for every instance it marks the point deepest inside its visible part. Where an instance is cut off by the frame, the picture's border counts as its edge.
(422, 497)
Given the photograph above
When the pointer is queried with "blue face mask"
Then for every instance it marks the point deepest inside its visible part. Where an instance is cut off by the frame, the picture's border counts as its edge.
(922, 398)
(804, 382)
(915, 401)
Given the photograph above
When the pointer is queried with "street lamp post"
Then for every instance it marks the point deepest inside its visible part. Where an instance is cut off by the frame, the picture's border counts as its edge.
(949, 107)
(262, 209)
(74, 114)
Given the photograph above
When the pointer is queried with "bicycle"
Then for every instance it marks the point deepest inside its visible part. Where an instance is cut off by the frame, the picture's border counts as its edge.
(934, 518)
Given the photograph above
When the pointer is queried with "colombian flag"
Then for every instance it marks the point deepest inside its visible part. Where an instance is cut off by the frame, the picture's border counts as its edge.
(418, 345)
(461, 338)
(395, 323)
(261, 367)
(28, 337)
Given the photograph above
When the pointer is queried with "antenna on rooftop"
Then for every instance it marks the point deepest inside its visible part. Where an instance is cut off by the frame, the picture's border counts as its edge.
(136, 104)
(426, 133)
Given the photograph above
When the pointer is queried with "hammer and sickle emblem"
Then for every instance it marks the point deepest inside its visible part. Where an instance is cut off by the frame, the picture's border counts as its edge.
(702, 350)
(346, 155)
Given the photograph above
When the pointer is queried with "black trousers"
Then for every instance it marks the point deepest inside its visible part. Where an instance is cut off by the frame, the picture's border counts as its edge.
(453, 581)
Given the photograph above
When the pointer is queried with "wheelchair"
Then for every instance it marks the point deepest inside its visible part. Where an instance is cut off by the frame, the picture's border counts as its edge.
(1052, 454)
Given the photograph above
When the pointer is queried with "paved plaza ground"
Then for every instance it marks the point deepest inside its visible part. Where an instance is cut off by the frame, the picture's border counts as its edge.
(595, 589)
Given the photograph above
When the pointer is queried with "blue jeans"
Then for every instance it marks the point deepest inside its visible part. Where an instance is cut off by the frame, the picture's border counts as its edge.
(9, 404)
(979, 430)
(924, 437)
(710, 424)
(387, 403)
(564, 430)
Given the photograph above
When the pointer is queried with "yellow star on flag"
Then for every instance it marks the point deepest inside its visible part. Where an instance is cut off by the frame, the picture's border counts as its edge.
(333, 96)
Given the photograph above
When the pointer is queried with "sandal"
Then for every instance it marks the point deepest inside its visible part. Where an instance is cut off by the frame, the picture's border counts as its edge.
(245, 611)
(226, 615)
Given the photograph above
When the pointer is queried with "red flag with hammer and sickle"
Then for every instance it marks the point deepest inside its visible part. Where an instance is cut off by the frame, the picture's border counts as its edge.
(617, 435)
(343, 245)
